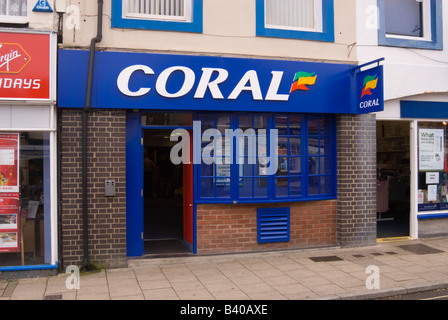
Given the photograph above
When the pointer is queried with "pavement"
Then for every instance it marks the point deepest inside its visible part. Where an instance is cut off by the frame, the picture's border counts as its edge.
(388, 268)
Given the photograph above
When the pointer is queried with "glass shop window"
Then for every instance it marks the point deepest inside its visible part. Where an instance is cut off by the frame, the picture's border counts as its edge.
(25, 231)
(432, 191)
(243, 160)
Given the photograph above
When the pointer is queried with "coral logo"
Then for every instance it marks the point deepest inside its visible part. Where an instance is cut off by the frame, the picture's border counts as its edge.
(13, 58)
(370, 83)
(302, 80)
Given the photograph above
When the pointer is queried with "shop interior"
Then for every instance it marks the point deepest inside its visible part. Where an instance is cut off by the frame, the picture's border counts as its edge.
(393, 179)
(163, 196)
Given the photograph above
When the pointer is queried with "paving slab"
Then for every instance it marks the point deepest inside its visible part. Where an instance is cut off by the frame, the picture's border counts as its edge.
(315, 273)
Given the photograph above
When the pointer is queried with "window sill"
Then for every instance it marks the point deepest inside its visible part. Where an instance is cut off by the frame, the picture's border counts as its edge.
(265, 200)
(408, 42)
(13, 21)
(293, 34)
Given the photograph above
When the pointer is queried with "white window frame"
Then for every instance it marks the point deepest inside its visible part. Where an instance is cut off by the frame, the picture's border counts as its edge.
(426, 23)
(318, 20)
(14, 19)
(187, 17)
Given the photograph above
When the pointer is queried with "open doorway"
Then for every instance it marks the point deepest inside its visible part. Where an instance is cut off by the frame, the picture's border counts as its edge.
(164, 206)
(393, 179)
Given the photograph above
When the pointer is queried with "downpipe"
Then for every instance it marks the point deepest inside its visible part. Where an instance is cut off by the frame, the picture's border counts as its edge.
(85, 112)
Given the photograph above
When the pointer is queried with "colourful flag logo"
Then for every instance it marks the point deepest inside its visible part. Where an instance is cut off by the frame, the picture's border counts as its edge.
(302, 80)
(370, 83)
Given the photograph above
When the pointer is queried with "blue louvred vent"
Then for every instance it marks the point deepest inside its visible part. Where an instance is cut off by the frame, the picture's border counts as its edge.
(273, 224)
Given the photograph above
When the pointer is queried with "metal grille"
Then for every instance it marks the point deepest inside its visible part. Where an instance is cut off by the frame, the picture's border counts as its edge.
(273, 225)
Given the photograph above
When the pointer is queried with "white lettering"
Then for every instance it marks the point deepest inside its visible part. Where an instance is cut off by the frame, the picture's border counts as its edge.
(7, 83)
(5, 59)
(73, 280)
(125, 76)
(19, 83)
(186, 87)
(273, 88)
(27, 83)
(205, 83)
(36, 84)
(369, 104)
(254, 86)
(183, 146)
(249, 82)
(373, 280)
(372, 17)
(73, 20)
(192, 310)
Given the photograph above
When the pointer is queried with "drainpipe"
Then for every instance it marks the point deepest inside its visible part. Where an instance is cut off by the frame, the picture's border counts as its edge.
(93, 43)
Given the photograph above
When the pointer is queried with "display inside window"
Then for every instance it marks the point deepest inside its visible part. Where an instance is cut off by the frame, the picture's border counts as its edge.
(24, 199)
(266, 157)
(432, 193)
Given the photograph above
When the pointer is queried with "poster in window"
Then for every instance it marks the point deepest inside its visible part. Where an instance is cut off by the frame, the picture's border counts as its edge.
(9, 160)
(9, 222)
(431, 149)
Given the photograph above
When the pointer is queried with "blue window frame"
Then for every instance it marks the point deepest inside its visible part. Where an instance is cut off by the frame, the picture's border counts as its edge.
(191, 20)
(319, 28)
(411, 24)
(233, 166)
(288, 179)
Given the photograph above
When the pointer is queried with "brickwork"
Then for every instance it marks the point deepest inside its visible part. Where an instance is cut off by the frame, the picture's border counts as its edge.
(107, 160)
(221, 228)
(356, 180)
(226, 228)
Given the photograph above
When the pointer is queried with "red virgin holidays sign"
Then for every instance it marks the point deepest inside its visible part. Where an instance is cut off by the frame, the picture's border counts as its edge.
(25, 66)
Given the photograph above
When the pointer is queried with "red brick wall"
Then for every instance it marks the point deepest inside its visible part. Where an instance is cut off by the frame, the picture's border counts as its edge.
(226, 228)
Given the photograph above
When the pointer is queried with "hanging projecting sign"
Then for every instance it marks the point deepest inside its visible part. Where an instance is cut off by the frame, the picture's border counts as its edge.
(25, 66)
(173, 82)
(369, 90)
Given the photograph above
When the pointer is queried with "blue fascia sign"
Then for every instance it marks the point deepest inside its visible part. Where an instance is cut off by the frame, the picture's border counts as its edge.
(128, 80)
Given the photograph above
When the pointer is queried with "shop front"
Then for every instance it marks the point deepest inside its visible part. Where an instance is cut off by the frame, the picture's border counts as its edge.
(412, 170)
(28, 186)
(221, 154)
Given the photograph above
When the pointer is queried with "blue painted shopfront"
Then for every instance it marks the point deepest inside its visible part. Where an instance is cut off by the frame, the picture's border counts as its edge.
(300, 100)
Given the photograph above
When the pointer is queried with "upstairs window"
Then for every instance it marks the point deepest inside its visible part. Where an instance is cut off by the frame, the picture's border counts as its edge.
(13, 11)
(176, 10)
(406, 17)
(411, 23)
(298, 19)
(166, 15)
(300, 15)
